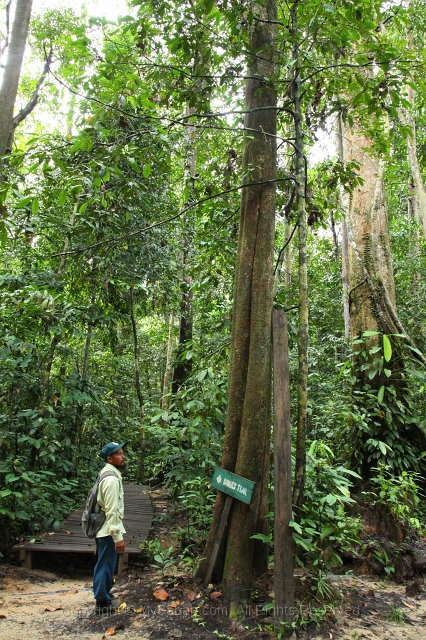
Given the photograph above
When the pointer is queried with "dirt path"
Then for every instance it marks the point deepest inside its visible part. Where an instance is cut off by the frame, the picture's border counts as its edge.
(36, 605)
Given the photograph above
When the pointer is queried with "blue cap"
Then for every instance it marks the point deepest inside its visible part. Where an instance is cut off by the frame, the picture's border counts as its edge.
(111, 448)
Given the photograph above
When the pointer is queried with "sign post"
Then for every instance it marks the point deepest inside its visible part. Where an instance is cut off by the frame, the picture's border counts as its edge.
(237, 488)
(283, 547)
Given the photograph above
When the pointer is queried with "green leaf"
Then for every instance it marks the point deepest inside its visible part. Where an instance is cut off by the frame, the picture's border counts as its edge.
(62, 197)
(366, 334)
(382, 447)
(262, 537)
(381, 394)
(35, 206)
(387, 348)
(147, 171)
(22, 203)
(295, 526)
(3, 233)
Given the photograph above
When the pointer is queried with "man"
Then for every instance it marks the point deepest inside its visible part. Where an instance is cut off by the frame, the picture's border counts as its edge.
(109, 539)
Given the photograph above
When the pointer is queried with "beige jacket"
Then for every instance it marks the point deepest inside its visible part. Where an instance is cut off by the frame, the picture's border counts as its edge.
(111, 499)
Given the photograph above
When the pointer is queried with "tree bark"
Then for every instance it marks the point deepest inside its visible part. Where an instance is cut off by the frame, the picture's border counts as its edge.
(302, 335)
(345, 243)
(413, 162)
(369, 250)
(168, 369)
(141, 468)
(247, 430)
(31, 104)
(12, 71)
(183, 365)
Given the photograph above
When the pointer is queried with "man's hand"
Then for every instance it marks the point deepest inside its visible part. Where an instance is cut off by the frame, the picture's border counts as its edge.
(120, 546)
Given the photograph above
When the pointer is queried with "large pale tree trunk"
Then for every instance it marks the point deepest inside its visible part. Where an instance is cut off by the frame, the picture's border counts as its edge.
(247, 431)
(369, 248)
(372, 305)
(12, 71)
(418, 197)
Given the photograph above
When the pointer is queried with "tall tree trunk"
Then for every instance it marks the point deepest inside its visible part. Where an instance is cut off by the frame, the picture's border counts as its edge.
(247, 429)
(141, 468)
(419, 191)
(54, 343)
(372, 304)
(31, 104)
(12, 71)
(369, 250)
(302, 335)
(345, 243)
(78, 423)
(165, 400)
(183, 366)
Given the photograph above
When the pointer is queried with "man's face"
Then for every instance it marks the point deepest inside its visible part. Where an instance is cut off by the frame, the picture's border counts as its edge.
(117, 459)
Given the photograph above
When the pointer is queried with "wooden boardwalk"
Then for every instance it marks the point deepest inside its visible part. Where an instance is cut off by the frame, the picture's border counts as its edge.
(137, 522)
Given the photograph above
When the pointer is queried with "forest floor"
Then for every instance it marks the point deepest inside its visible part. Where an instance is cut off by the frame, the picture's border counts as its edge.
(55, 600)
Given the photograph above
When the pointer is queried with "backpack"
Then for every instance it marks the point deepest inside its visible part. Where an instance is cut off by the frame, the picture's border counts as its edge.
(93, 516)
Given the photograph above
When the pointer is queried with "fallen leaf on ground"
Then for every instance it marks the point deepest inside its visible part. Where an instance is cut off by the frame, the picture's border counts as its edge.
(374, 613)
(175, 604)
(120, 625)
(216, 594)
(191, 596)
(161, 594)
(70, 533)
(140, 610)
(414, 607)
(122, 606)
(2, 615)
(109, 632)
(53, 609)
(73, 590)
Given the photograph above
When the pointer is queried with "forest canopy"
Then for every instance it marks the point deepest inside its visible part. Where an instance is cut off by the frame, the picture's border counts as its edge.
(167, 178)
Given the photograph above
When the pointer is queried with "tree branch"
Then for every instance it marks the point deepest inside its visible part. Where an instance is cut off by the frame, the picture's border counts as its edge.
(174, 217)
(25, 111)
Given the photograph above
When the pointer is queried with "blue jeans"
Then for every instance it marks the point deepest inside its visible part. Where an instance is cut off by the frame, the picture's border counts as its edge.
(103, 574)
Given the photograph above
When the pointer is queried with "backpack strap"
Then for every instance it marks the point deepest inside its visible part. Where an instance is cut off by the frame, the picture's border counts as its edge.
(105, 474)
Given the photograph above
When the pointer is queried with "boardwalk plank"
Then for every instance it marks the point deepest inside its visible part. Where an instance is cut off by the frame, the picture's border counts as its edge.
(138, 516)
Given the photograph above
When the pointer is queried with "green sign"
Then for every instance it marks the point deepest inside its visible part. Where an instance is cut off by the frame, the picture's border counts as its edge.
(233, 485)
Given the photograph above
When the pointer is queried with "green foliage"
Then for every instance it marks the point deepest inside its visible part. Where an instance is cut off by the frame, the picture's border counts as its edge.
(399, 495)
(326, 529)
(188, 436)
(389, 400)
(33, 496)
(395, 614)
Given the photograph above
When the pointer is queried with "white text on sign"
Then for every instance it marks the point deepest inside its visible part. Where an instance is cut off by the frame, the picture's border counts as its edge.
(235, 486)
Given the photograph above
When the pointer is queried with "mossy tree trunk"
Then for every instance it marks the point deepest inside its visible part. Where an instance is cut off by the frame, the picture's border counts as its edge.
(141, 468)
(302, 335)
(183, 366)
(247, 434)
